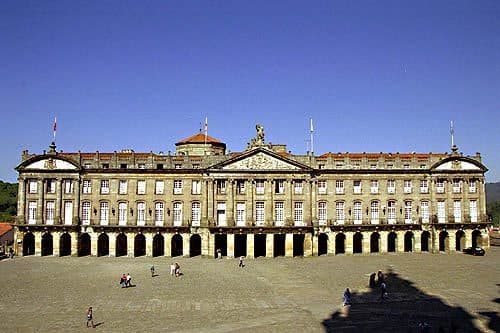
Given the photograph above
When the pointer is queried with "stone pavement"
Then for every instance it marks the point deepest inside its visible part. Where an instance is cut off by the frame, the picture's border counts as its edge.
(50, 294)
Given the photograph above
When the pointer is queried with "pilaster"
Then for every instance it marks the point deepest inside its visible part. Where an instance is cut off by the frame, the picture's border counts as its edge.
(149, 244)
(331, 243)
(94, 236)
(308, 245)
(130, 244)
(112, 243)
(56, 237)
(230, 245)
(186, 249)
(250, 246)
(289, 245)
(270, 245)
(349, 242)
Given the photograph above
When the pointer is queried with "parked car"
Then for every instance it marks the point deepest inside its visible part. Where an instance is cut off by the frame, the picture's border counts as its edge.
(475, 251)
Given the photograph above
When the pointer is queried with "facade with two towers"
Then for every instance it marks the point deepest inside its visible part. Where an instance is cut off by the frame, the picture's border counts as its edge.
(264, 201)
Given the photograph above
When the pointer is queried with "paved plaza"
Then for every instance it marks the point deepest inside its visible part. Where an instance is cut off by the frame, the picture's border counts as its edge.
(452, 291)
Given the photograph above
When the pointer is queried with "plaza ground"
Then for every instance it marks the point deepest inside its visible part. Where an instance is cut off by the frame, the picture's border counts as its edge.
(451, 291)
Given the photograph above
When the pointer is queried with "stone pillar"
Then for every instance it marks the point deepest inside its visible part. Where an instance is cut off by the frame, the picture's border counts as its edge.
(40, 204)
(21, 202)
(130, 243)
(452, 240)
(417, 241)
(112, 243)
(58, 204)
(312, 203)
(250, 246)
(249, 197)
(270, 245)
(186, 249)
(269, 202)
(56, 236)
(314, 240)
(74, 244)
(230, 245)
(76, 205)
(93, 243)
(468, 238)
(366, 242)
(230, 207)
(205, 244)
(383, 241)
(38, 243)
(349, 242)
(331, 243)
(308, 245)
(289, 245)
(434, 241)
(400, 241)
(149, 244)
(168, 244)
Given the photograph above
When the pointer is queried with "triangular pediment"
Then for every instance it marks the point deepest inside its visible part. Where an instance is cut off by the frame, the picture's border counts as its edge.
(48, 163)
(261, 159)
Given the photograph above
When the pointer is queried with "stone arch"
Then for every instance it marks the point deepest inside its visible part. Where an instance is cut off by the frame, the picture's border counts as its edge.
(340, 243)
(279, 245)
(176, 246)
(158, 245)
(121, 245)
(322, 244)
(459, 240)
(139, 245)
(47, 244)
(28, 244)
(408, 241)
(444, 241)
(375, 242)
(259, 245)
(425, 239)
(103, 245)
(195, 245)
(240, 245)
(84, 245)
(357, 243)
(477, 239)
(65, 245)
(392, 238)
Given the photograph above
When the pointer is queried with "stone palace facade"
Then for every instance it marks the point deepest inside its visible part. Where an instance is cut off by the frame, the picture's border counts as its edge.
(263, 201)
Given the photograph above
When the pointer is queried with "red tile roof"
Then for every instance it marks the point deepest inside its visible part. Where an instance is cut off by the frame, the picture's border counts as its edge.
(5, 228)
(199, 138)
(385, 155)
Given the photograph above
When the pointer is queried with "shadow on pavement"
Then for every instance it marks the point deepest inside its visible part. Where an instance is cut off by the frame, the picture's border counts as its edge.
(406, 309)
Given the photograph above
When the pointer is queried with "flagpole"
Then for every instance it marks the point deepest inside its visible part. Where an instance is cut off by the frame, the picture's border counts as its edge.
(452, 132)
(206, 134)
(55, 128)
(312, 137)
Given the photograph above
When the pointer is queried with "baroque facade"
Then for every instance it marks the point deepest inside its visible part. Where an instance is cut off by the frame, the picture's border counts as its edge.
(263, 201)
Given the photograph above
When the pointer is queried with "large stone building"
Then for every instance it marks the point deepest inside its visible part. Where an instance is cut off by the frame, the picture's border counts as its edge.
(264, 201)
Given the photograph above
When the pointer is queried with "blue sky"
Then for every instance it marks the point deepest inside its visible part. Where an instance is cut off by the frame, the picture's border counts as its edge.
(374, 75)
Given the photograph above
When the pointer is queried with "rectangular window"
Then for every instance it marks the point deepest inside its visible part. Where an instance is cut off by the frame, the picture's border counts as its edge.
(259, 187)
(473, 211)
(105, 165)
(391, 212)
(159, 166)
(123, 166)
(390, 166)
(32, 212)
(298, 187)
(441, 213)
(195, 214)
(86, 213)
(357, 186)
(472, 186)
(259, 213)
(339, 187)
(87, 186)
(279, 213)
(406, 166)
(159, 213)
(374, 212)
(408, 212)
(177, 186)
(68, 186)
(105, 186)
(141, 213)
(373, 166)
(122, 213)
(457, 211)
(298, 213)
(50, 212)
(196, 187)
(68, 212)
(424, 186)
(339, 212)
(221, 214)
(240, 214)
(221, 186)
(240, 187)
(358, 213)
(279, 186)
(321, 186)
(177, 214)
(391, 186)
(87, 165)
(456, 186)
(374, 186)
(339, 164)
(407, 186)
(32, 186)
(159, 187)
(141, 187)
(122, 187)
(51, 186)
(322, 213)
(104, 213)
(141, 166)
(424, 210)
(440, 186)
(178, 166)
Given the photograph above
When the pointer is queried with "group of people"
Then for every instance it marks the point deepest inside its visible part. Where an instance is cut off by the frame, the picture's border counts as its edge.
(175, 269)
(126, 280)
(376, 280)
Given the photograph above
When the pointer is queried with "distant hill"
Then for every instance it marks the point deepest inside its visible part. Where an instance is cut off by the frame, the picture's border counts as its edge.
(492, 192)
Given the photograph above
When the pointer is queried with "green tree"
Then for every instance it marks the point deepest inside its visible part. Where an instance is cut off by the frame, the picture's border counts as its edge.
(8, 201)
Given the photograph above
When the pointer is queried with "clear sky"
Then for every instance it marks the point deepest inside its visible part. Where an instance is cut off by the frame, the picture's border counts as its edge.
(374, 75)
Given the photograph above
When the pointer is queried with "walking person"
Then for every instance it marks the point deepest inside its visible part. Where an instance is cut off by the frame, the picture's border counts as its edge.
(383, 291)
(241, 264)
(152, 271)
(347, 297)
(128, 283)
(90, 317)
